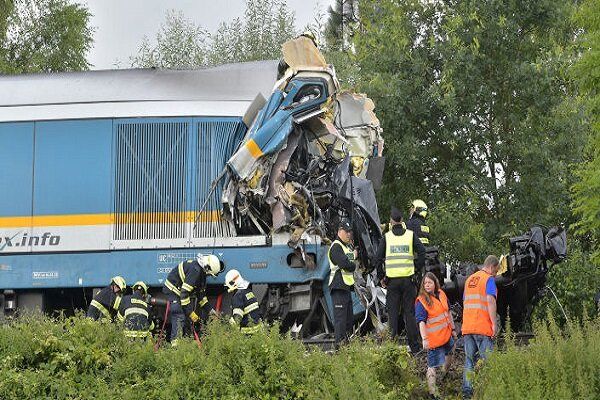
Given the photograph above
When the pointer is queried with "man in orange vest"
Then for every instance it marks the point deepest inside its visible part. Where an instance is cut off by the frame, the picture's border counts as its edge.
(479, 325)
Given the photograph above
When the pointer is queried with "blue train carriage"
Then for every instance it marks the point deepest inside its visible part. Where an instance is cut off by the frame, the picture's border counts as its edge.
(103, 174)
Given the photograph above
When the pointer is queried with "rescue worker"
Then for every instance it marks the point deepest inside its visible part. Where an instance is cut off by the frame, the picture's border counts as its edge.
(185, 283)
(134, 313)
(395, 263)
(106, 302)
(417, 223)
(341, 256)
(479, 325)
(244, 304)
(432, 311)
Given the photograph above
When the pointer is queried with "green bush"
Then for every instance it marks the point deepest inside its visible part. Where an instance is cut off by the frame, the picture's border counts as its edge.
(575, 282)
(75, 358)
(560, 363)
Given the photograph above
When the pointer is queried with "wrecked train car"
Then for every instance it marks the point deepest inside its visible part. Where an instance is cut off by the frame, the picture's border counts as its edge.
(303, 162)
(303, 165)
(131, 172)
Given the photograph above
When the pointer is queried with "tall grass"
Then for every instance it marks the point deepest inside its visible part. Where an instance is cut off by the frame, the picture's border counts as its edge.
(75, 358)
(560, 363)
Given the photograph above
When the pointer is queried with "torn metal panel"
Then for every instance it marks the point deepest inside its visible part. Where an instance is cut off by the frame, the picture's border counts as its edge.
(301, 53)
(257, 104)
(277, 197)
(360, 192)
(361, 127)
(358, 110)
(269, 135)
(375, 169)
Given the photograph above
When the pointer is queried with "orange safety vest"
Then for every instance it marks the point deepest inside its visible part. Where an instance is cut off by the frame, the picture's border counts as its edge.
(437, 327)
(476, 319)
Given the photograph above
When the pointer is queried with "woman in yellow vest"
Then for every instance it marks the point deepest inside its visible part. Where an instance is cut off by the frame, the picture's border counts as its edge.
(432, 311)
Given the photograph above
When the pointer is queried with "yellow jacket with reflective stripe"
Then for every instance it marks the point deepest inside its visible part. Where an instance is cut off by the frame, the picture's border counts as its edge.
(399, 255)
(347, 277)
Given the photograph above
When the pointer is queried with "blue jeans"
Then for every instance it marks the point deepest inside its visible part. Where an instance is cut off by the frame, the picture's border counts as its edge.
(476, 347)
(437, 357)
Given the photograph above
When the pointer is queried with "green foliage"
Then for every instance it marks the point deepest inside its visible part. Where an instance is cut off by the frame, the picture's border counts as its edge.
(180, 43)
(560, 363)
(479, 117)
(459, 235)
(587, 73)
(575, 282)
(76, 358)
(43, 36)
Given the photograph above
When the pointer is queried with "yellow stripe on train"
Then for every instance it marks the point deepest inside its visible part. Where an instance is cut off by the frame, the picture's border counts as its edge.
(109, 219)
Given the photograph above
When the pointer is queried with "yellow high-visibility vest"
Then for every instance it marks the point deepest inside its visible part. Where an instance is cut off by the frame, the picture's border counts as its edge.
(399, 255)
(347, 277)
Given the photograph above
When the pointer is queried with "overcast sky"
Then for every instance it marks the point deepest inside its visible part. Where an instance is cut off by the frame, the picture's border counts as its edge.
(121, 24)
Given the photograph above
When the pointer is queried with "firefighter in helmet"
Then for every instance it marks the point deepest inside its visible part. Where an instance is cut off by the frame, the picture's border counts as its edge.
(417, 223)
(244, 304)
(106, 302)
(134, 312)
(185, 288)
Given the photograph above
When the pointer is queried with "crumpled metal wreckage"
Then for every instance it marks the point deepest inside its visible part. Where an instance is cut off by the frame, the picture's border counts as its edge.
(305, 159)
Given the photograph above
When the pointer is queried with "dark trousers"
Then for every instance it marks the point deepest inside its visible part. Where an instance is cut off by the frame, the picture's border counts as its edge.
(401, 292)
(342, 314)
(178, 319)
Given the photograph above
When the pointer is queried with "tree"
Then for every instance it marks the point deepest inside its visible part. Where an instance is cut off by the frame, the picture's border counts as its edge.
(43, 36)
(479, 117)
(336, 37)
(266, 25)
(586, 71)
(341, 23)
(179, 44)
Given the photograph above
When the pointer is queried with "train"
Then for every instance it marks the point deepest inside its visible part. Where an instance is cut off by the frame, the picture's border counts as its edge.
(113, 173)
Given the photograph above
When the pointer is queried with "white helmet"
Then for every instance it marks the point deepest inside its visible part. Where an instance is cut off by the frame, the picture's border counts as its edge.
(211, 264)
(232, 280)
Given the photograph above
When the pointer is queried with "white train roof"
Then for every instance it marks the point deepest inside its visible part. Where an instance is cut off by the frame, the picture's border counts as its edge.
(225, 90)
